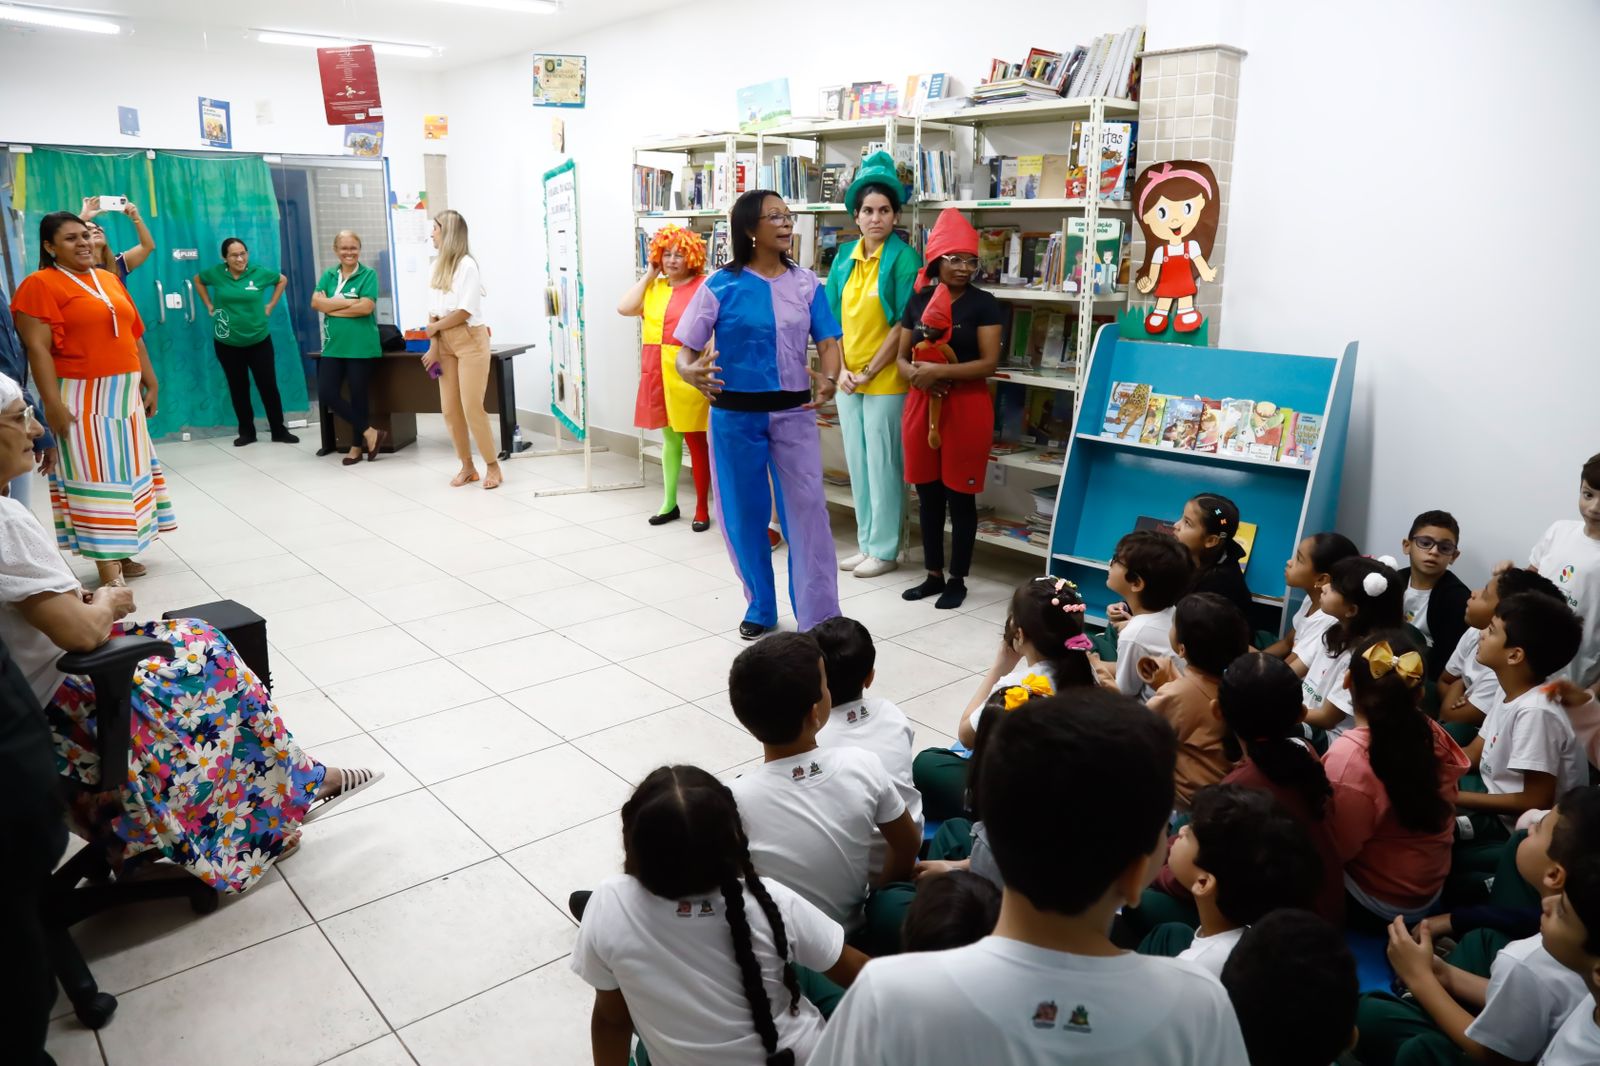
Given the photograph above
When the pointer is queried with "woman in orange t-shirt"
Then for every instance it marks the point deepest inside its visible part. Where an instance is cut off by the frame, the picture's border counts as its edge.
(85, 348)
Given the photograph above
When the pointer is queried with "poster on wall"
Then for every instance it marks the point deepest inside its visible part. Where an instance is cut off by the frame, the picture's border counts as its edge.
(763, 106)
(563, 299)
(216, 128)
(559, 81)
(364, 139)
(435, 127)
(349, 84)
(128, 121)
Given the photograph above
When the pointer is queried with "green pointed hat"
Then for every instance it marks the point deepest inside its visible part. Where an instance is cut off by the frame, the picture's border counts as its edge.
(877, 169)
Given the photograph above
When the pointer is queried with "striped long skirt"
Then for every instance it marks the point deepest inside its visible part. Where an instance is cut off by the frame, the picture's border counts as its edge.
(108, 494)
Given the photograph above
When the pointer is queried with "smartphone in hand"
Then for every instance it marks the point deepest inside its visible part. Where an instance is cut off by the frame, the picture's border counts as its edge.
(113, 203)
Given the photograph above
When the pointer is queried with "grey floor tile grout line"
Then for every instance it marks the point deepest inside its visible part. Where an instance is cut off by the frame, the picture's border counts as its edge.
(392, 1032)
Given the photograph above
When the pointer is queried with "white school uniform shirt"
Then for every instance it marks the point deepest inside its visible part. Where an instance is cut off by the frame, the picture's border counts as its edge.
(1308, 626)
(464, 294)
(1577, 1042)
(29, 565)
(1211, 952)
(812, 820)
(880, 727)
(1020, 671)
(1530, 995)
(1145, 634)
(1531, 732)
(1479, 683)
(1003, 1001)
(1324, 683)
(1572, 560)
(1416, 608)
(673, 961)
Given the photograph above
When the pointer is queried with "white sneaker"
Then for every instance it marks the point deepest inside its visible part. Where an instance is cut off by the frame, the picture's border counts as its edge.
(874, 567)
(854, 561)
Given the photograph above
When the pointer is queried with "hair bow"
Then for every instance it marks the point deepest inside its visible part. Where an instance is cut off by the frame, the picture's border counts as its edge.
(1381, 659)
(1031, 686)
(1079, 642)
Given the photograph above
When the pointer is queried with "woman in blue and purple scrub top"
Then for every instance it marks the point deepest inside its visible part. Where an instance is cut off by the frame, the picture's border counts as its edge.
(762, 309)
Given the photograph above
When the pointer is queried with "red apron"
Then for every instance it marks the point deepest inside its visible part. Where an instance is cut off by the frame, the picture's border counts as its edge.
(966, 426)
(1177, 274)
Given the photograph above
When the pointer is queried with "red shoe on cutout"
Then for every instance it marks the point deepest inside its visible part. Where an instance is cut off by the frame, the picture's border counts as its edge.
(1155, 322)
(1188, 321)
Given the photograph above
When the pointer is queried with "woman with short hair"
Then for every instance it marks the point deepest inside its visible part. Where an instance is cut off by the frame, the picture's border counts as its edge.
(347, 298)
(240, 296)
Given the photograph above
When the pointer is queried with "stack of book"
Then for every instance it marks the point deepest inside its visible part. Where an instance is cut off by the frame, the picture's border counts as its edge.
(652, 189)
(1107, 67)
(1246, 429)
(936, 177)
(796, 178)
(698, 189)
(1044, 508)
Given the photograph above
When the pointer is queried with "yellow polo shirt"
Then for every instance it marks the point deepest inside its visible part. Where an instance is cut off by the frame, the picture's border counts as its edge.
(861, 315)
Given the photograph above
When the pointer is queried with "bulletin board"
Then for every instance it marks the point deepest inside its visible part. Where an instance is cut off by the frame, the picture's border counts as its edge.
(564, 299)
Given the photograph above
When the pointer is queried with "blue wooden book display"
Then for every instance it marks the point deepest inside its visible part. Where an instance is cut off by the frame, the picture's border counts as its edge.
(1107, 484)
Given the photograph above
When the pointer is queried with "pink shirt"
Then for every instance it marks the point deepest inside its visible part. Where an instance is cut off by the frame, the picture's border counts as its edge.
(1387, 861)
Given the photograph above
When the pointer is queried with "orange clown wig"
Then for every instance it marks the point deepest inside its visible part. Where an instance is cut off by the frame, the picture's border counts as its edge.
(686, 242)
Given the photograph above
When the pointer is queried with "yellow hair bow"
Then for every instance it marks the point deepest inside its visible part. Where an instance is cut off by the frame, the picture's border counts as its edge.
(1032, 685)
(1381, 659)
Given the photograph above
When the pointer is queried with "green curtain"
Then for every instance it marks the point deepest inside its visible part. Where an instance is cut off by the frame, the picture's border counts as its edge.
(190, 202)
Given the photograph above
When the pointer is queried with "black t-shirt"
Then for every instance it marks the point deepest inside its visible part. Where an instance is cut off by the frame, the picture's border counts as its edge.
(1225, 578)
(974, 308)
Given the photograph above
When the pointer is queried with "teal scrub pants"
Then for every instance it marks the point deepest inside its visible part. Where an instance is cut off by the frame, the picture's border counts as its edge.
(871, 429)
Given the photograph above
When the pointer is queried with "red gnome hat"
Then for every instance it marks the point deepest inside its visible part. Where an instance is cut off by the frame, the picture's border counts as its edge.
(952, 235)
(936, 317)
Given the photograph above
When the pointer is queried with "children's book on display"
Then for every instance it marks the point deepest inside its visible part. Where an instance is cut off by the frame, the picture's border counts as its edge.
(1247, 429)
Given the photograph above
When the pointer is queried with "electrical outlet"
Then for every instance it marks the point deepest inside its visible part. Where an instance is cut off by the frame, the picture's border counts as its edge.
(187, 437)
(997, 474)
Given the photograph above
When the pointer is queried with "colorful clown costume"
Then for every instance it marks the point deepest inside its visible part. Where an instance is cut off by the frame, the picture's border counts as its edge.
(760, 426)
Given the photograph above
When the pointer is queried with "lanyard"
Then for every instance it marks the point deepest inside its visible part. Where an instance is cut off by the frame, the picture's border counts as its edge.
(338, 289)
(97, 292)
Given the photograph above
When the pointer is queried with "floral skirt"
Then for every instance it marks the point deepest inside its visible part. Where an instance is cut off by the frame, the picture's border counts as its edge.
(214, 782)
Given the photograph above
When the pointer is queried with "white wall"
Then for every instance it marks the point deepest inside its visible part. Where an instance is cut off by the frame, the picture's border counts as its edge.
(45, 106)
(677, 72)
(1399, 172)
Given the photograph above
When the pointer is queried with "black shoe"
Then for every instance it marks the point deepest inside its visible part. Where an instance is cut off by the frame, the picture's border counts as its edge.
(752, 630)
(283, 436)
(955, 590)
(577, 902)
(240, 442)
(700, 526)
(663, 519)
(930, 587)
(325, 451)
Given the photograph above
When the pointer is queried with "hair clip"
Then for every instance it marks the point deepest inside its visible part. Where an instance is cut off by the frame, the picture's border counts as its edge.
(1381, 659)
(1374, 584)
(1073, 608)
(1079, 642)
(1032, 685)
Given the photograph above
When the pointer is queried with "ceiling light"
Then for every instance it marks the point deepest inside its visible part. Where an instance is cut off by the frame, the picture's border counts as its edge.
(526, 7)
(60, 20)
(312, 40)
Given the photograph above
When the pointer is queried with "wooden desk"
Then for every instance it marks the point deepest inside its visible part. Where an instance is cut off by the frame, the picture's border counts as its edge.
(401, 389)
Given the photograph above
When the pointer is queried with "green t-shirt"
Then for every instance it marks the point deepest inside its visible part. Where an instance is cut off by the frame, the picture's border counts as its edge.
(239, 315)
(350, 338)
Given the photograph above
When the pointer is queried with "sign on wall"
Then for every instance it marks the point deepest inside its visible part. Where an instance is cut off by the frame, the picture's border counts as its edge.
(564, 299)
(349, 84)
(216, 127)
(559, 81)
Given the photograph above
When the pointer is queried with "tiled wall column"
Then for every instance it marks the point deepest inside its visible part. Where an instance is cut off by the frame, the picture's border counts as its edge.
(1188, 105)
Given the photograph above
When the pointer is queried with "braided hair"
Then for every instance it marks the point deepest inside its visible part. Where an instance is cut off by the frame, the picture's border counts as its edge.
(682, 838)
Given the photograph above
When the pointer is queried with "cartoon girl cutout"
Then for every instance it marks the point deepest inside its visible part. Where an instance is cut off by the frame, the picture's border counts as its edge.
(1177, 210)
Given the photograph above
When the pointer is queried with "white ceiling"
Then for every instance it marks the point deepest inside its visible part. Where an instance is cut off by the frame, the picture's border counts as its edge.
(465, 34)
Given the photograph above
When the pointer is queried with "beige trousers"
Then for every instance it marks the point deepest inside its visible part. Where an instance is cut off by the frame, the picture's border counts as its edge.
(464, 376)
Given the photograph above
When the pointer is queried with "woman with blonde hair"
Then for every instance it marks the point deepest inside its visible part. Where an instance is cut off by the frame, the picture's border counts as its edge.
(347, 297)
(459, 344)
(665, 401)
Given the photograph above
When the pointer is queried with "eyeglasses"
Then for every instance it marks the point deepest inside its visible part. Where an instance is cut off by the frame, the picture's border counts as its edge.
(780, 220)
(28, 418)
(968, 261)
(1445, 547)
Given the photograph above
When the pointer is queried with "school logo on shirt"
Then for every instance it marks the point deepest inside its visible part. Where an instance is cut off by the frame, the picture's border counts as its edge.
(1567, 573)
(1078, 1020)
(706, 908)
(1044, 1015)
(685, 909)
(220, 324)
(850, 716)
(816, 770)
(865, 714)
(798, 773)
(251, 287)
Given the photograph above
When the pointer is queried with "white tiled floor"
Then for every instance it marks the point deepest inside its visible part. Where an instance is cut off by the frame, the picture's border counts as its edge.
(515, 663)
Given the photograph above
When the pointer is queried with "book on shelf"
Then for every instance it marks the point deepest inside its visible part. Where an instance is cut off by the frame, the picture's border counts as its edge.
(936, 176)
(1180, 423)
(1006, 183)
(1044, 499)
(1154, 418)
(1015, 352)
(1148, 524)
(1301, 439)
(1048, 420)
(1075, 323)
(994, 250)
(1030, 168)
(1012, 528)
(1051, 457)
(835, 180)
(1109, 66)
(830, 101)
(1029, 261)
(796, 178)
(1266, 430)
(1111, 162)
(1010, 414)
(719, 247)
(904, 164)
(803, 241)
(1246, 539)
(1053, 355)
(641, 251)
(697, 187)
(1210, 436)
(1237, 416)
(921, 90)
(652, 189)
(1100, 268)
(1126, 410)
(1001, 449)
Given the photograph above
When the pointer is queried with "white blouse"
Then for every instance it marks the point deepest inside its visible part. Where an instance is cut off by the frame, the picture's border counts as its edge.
(464, 294)
(29, 565)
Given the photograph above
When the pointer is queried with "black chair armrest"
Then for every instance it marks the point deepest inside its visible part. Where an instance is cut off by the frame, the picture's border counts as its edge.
(110, 668)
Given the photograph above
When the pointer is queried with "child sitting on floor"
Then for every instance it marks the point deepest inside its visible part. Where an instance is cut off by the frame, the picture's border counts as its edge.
(1394, 775)
(1208, 633)
(1435, 599)
(1049, 977)
(1293, 983)
(1362, 596)
(1150, 571)
(1240, 856)
(1571, 933)
(951, 911)
(688, 945)
(813, 815)
(1526, 753)
(1206, 529)
(857, 719)
(1310, 571)
(1467, 688)
(1493, 995)
(1569, 555)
